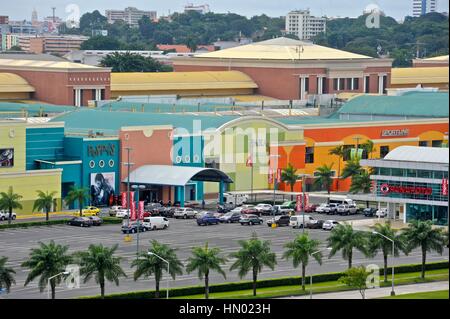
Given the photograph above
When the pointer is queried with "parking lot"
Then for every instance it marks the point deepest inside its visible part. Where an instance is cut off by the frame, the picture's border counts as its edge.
(182, 235)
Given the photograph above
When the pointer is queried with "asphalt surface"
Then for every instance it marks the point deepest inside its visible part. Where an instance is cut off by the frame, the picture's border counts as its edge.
(182, 235)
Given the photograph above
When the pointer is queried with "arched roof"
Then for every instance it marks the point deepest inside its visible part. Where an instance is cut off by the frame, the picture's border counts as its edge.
(175, 175)
(12, 83)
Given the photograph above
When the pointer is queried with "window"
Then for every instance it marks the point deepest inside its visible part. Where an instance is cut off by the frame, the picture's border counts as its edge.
(436, 143)
(341, 84)
(385, 79)
(309, 155)
(306, 85)
(367, 88)
(333, 174)
(349, 84)
(347, 152)
(335, 84)
(423, 143)
(355, 84)
(384, 150)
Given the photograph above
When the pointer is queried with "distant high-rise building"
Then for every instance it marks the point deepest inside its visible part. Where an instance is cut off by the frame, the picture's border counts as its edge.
(4, 20)
(303, 25)
(34, 17)
(422, 7)
(204, 8)
(130, 15)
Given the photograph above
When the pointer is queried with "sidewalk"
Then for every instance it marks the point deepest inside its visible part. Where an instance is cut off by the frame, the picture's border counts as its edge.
(380, 292)
(42, 215)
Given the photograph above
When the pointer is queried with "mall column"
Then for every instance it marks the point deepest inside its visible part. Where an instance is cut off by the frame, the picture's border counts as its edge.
(221, 186)
(181, 191)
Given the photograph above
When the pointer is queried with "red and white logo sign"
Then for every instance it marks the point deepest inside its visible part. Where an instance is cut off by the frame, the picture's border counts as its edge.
(384, 188)
(445, 187)
(387, 189)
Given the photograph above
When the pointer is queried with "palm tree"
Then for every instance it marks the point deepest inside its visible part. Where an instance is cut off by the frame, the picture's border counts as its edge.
(204, 260)
(45, 262)
(253, 255)
(289, 176)
(421, 234)
(148, 265)
(77, 195)
(361, 183)
(300, 249)
(6, 275)
(324, 178)
(10, 201)
(99, 261)
(379, 243)
(369, 147)
(339, 151)
(44, 202)
(351, 169)
(344, 237)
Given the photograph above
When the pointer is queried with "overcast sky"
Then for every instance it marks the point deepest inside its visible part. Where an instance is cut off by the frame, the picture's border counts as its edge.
(21, 9)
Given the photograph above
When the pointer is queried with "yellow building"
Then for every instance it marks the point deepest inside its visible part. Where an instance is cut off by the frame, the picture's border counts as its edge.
(427, 77)
(13, 172)
(14, 87)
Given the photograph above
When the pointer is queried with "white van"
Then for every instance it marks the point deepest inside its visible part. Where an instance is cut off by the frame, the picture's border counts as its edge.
(342, 201)
(235, 199)
(297, 221)
(154, 223)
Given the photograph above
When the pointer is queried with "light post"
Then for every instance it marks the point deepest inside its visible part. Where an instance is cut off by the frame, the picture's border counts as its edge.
(65, 273)
(128, 164)
(138, 187)
(393, 254)
(277, 156)
(310, 276)
(168, 270)
(303, 176)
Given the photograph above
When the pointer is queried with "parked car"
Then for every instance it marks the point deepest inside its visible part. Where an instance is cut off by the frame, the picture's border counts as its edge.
(311, 208)
(369, 212)
(89, 211)
(225, 208)
(251, 220)
(168, 212)
(4, 215)
(96, 221)
(315, 224)
(185, 212)
(264, 209)
(123, 213)
(282, 220)
(327, 209)
(207, 219)
(230, 217)
(329, 224)
(282, 210)
(343, 209)
(250, 211)
(80, 221)
(154, 223)
(321, 209)
(132, 228)
(297, 221)
(381, 213)
(113, 210)
(290, 204)
(154, 208)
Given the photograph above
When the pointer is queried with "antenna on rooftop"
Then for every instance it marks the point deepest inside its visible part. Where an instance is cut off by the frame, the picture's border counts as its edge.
(54, 15)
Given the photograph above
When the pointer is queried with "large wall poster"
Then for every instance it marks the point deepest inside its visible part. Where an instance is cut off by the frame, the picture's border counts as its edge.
(7, 157)
(102, 188)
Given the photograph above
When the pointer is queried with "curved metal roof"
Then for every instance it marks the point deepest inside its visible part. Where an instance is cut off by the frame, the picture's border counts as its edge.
(175, 175)
(419, 154)
(13, 83)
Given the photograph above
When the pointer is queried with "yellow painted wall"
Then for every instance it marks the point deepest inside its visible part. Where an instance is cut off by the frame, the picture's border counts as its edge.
(26, 185)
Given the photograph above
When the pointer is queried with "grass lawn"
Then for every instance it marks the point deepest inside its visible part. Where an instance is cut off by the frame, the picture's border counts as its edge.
(442, 294)
(330, 286)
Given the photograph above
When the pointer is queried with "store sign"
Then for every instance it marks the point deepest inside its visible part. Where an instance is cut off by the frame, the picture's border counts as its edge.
(7, 157)
(100, 150)
(395, 133)
(445, 187)
(387, 189)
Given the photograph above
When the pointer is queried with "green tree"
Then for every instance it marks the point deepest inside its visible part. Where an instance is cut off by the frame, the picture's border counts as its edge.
(344, 238)
(379, 243)
(369, 148)
(6, 275)
(253, 256)
(9, 201)
(131, 62)
(150, 265)
(15, 48)
(289, 176)
(44, 202)
(361, 183)
(421, 234)
(92, 21)
(300, 250)
(324, 178)
(100, 42)
(338, 151)
(45, 262)
(356, 278)
(204, 260)
(100, 262)
(77, 195)
(352, 168)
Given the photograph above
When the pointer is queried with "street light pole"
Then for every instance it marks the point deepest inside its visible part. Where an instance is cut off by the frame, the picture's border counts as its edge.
(128, 164)
(138, 187)
(49, 279)
(168, 270)
(393, 252)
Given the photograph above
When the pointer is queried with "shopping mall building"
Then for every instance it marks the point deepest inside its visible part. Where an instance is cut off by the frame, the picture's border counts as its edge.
(412, 182)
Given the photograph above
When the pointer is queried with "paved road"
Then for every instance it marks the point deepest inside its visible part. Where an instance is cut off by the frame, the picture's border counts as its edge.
(183, 235)
(380, 292)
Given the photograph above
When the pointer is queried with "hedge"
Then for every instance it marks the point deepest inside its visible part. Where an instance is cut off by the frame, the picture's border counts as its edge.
(106, 220)
(245, 285)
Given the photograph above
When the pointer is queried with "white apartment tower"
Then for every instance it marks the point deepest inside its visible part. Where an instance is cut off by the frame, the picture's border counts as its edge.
(422, 7)
(130, 15)
(303, 25)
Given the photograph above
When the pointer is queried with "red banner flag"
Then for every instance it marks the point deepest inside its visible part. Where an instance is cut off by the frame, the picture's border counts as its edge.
(141, 210)
(445, 187)
(299, 204)
(279, 175)
(249, 162)
(133, 211)
(124, 200)
(306, 200)
(270, 176)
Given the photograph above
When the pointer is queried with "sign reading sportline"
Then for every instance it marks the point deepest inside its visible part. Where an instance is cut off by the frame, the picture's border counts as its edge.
(386, 189)
(395, 133)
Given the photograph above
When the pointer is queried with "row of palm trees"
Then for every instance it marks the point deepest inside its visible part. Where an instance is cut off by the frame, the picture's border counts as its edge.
(254, 254)
(10, 201)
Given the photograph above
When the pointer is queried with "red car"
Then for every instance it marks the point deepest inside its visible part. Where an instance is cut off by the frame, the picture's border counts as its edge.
(311, 208)
(250, 211)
